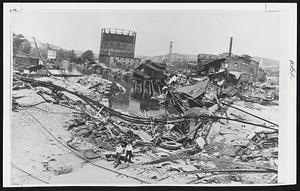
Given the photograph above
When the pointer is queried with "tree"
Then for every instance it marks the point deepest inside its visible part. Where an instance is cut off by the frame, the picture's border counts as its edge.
(88, 55)
(21, 44)
(72, 56)
(17, 42)
(34, 52)
(70, 67)
(60, 55)
(26, 47)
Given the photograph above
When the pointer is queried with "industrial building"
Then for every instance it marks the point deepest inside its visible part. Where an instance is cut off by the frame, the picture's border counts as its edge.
(242, 65)
(117, 48)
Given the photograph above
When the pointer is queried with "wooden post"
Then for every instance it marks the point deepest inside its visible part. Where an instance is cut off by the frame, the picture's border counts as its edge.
(137, 89)
(159, 91)
(143, 87)
(152, 88)
(134, 86)
(140, 88)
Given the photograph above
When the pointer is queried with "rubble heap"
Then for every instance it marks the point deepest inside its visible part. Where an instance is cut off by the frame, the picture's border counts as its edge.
(195, 145)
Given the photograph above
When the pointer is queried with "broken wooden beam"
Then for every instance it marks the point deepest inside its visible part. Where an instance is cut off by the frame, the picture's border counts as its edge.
(250, 114)
(178, 157)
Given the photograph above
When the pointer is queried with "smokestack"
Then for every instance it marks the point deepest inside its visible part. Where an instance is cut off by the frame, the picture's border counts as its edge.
(170, 47)
(230, 47)
(170, 51)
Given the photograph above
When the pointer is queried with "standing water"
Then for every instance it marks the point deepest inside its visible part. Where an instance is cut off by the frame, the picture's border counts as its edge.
(137, 106)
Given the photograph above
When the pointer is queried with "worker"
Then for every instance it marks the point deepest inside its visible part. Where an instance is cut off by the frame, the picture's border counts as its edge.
(119, 152)
(128, 151)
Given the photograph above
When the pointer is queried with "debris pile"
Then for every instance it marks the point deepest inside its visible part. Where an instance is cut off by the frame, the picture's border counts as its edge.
(199, 142)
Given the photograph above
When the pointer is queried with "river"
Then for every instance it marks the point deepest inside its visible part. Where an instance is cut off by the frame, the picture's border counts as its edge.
(133, 105)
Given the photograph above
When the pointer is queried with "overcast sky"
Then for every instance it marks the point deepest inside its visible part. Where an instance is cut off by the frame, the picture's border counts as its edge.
(254, 33)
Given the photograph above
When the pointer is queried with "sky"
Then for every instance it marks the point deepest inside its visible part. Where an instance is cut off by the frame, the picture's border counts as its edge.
(192, 32)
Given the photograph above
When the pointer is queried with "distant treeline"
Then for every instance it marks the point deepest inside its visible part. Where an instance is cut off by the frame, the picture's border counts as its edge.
(22, 46)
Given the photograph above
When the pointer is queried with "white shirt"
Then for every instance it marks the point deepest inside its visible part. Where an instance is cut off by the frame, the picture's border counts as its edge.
(119, 149)
(128, 147)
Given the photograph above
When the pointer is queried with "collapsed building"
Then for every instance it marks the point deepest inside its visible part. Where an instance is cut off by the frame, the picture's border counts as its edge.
(241, 69)
(149, 78)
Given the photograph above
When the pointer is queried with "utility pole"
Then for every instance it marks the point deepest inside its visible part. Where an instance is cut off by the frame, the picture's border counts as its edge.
(41, 57)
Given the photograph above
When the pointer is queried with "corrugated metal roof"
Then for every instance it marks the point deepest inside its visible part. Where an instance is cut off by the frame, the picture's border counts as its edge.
(194, 90)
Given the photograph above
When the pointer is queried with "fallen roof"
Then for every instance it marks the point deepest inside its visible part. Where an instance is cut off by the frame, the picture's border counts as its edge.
(215, 61)
(153, 67)
(194, 90)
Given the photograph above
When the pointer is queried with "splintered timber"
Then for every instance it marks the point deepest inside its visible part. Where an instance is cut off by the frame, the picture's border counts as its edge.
(154, 122)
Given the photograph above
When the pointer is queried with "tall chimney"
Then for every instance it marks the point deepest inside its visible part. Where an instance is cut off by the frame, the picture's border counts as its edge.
(170, 51)
(230, 47)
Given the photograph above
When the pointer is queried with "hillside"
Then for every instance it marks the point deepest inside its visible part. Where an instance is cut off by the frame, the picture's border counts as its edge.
(41, 44)
(44, 45)
(176, 56)
(267, 62)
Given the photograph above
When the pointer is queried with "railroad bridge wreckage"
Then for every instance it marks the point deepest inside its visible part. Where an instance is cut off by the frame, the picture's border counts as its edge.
(186, 132)
(194, 105)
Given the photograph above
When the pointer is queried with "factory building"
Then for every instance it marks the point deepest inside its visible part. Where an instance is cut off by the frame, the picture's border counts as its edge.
(243, 65)
(117, 48)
